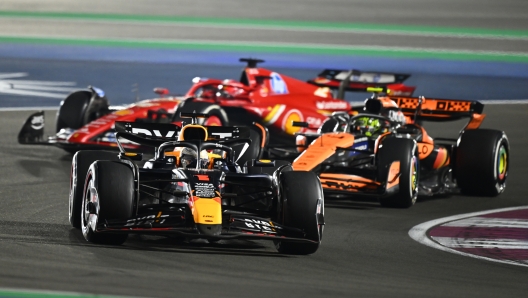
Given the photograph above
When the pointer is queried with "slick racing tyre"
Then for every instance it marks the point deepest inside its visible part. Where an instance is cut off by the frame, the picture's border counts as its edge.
(302, 208)
(482, 162)
(404, 151)
(217, 115)
(80, 164)
(78, 109)
(108, 195)
(253, 150)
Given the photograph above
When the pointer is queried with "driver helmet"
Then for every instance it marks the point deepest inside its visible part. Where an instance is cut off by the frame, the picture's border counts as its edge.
(189, 158)
(369, 126)
(231, 89)
(206, 92)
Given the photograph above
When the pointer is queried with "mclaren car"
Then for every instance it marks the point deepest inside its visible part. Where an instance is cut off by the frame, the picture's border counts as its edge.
(383, 151)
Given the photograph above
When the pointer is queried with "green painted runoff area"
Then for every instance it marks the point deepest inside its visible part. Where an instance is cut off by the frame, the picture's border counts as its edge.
(8, 293)
(278, 48)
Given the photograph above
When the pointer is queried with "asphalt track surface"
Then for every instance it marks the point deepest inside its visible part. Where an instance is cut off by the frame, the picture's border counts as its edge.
(366, 249)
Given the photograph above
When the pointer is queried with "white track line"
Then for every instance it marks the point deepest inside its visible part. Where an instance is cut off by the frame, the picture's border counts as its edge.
(29, 109)
(453, 242)
(489, 222)
(419, 233)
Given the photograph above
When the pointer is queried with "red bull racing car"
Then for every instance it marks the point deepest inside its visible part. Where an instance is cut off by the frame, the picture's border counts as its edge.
(383, 151)
(196, 186)
(85, 120)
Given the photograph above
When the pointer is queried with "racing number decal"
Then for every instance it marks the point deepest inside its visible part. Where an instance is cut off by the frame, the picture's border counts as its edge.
(292, 115)
(424, 150)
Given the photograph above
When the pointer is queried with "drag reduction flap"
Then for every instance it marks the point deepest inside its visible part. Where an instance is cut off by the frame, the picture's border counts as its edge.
(332, 78)
(171, 131)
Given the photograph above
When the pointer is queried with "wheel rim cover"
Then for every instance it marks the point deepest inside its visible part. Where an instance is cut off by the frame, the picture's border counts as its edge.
(414, 181)
(502, 161)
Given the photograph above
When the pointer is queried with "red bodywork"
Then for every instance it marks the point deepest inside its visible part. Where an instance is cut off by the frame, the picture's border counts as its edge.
(93, 133)
(261, 95)
(275, 100)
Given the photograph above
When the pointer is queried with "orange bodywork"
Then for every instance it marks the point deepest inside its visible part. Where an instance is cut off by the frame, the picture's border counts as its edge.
(346, 182)
(394, 175)
(475, 121)
(433, 104)
(424, 150)
(321, 149)
(206, 210)
(442, 158)
(437, 109)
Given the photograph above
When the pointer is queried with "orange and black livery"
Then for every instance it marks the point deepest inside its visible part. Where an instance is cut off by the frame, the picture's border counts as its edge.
(383, 150)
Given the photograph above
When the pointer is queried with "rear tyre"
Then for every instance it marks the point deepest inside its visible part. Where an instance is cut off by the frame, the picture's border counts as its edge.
(108, 195)
(78, 109)
(302, 208)
(80, 163)
(253, 151)
(482, 162)
(217, 115)
(404, 151)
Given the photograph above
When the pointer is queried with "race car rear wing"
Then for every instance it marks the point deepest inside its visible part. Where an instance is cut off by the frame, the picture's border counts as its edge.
(169, 132)
(156, 134)
(435, 109)
(355, 80)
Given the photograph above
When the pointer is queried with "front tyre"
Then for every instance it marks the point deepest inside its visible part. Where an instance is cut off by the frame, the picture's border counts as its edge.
(402, 150)
(482, 162)
(80, 108)
(80, 163)
(108, 195)
(302, 208)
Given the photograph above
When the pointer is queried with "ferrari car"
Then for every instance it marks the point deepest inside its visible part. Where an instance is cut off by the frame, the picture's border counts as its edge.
(383, 151)
(195, 186)
(85, 119)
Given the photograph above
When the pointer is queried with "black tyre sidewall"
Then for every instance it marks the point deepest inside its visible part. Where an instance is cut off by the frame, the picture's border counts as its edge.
(301, 192)
(476, 162)
(78, 109)
(72, 109)
(404, 151)
(80, 164)
(114, 185)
